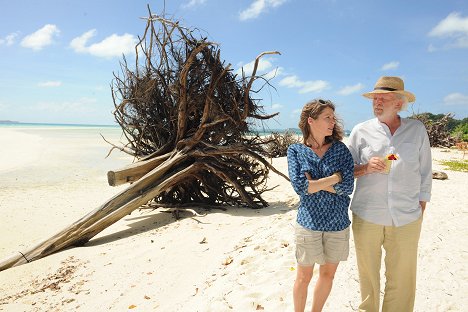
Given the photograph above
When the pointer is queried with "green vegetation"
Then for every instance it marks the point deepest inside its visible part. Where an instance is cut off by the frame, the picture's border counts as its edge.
(456, 165)
(451, 124)
(458, 129)
(443, 130)
(461, 131)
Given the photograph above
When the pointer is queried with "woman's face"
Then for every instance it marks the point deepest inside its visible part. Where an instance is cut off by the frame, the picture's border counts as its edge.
(324, 124)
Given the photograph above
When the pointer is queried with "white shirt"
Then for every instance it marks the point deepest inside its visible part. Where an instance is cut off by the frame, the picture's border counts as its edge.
(392, 199)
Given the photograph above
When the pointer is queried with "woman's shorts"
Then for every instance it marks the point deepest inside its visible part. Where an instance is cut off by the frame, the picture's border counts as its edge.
(321, 247)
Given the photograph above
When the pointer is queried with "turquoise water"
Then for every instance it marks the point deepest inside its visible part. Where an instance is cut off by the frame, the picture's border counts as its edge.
(82, 126)
(47, 125)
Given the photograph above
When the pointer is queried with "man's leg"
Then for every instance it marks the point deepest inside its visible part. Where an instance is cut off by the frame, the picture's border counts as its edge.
(368, 239)
(401, 254)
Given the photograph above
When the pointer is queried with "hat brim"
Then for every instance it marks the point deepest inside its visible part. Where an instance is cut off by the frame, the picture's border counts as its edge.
(410, 96)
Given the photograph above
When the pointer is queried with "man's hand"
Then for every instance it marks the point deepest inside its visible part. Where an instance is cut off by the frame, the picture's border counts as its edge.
(423, 206)
(375, 164)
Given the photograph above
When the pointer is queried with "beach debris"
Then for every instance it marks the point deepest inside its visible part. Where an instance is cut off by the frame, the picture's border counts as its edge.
(437, 130)
(462, 146)
(228, 260)
(187, 119)
(439, 175)
(279, 143)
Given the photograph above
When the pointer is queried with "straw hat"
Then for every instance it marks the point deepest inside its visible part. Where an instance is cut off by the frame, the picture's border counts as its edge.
(387, 84)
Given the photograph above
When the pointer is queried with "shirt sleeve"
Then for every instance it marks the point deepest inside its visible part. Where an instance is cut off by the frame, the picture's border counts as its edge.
(298, 179)
(425, 161)
(346, 167)
(353, 146)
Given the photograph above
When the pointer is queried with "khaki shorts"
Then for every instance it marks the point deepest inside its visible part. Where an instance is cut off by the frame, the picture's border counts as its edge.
(320, 247)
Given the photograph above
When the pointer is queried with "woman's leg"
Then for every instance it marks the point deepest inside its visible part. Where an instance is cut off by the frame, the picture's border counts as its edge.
(324, 285)
(303, 277)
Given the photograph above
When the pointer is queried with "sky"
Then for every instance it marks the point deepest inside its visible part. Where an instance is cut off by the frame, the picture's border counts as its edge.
(58, 57)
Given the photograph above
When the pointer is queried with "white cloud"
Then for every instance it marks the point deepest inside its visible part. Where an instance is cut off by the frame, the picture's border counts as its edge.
(265, 68)
(304, 86)
(258, 7)
(454, 27)
(351, 89)
(114, 45)
(41, 38)
(50, 84)
(83, 105)
(276, 106)
(273, 73)
(9, 39)
(296, 112)
(264, 64)
(79, 43)
(193, 3)
(456, 99)
(391, 65)
(431, 48)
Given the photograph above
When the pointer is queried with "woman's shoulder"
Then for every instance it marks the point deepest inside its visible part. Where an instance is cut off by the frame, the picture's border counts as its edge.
(296, 146)
(339, 144)
(340, 148)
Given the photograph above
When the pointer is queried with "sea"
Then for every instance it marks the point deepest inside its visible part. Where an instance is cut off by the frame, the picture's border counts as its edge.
(14, 124)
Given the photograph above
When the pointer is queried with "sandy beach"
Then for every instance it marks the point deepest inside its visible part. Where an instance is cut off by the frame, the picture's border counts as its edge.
(234, 260)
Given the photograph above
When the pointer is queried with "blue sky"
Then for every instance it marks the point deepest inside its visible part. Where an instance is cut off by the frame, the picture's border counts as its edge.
(58, 56)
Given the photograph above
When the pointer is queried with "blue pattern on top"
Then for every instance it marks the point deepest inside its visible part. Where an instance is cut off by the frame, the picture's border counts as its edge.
(322, 211)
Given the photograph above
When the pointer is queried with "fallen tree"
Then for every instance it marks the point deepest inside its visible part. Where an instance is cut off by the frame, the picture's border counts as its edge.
(187, 119)
(437, 130)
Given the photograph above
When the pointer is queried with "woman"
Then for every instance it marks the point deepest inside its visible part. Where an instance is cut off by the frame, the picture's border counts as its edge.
(321, 173)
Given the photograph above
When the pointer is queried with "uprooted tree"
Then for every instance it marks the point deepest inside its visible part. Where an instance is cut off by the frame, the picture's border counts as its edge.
(188, 120)
(437, 130)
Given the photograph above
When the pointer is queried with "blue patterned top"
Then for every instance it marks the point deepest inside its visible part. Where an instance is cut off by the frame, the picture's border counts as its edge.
(322, 211)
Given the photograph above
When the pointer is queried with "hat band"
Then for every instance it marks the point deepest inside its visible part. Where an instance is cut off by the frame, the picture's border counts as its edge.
(385, 88)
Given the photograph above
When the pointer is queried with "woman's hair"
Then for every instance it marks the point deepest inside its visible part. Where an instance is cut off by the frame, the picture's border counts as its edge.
(313, 109)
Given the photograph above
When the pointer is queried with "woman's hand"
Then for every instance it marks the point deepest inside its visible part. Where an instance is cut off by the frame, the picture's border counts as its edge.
(339, 176)
(325, 184)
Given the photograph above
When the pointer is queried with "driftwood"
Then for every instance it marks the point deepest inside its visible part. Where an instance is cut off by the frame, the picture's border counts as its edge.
(279, 143)
(187, 120)
(438, 133)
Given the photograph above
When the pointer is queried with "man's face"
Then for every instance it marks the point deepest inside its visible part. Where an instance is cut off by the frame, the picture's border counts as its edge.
(385, 104)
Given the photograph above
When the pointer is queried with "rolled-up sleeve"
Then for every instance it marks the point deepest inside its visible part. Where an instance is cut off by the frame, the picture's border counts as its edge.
(296, 175)
(425, 161)
(346, 186)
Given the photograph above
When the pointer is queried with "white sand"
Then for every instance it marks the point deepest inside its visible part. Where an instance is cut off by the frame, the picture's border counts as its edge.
(150, 262)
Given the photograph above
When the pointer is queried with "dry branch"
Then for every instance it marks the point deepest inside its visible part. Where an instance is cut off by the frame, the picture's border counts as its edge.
(187, 119)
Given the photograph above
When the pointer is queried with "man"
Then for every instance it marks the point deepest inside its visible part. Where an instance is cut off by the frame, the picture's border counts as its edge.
(388, 207)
